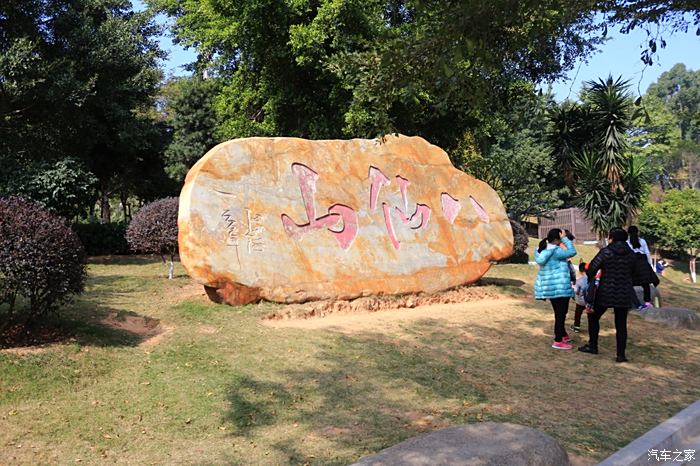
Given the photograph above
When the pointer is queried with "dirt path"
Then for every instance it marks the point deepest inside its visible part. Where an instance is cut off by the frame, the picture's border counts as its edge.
(352, 322)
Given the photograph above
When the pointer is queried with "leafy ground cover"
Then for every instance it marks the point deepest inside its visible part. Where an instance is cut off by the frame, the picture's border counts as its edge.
(153, 373)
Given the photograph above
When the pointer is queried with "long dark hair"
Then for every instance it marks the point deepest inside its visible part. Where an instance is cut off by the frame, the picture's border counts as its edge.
(553, 235)
(634, 237)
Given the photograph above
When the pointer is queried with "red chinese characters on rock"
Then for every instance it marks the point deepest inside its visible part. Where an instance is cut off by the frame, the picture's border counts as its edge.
(422, 211)
(341, 220)
(337, 213)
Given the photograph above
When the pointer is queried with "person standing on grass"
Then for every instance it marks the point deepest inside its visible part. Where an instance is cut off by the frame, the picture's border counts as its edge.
(580, 291)
(554, 281)
(644, 275)
(616, 263)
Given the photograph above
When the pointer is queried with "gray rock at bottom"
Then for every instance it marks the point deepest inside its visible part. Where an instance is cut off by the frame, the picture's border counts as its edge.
(639, 291)
(674, 317)
(483, 444)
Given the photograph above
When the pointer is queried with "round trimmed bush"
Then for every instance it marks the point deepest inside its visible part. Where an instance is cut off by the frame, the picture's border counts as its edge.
(154, 230)
(42, 261)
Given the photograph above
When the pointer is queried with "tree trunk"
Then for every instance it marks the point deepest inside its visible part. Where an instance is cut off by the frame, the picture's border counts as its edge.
(171, 269)
(105, 213)
(124, 199)
(693, 275)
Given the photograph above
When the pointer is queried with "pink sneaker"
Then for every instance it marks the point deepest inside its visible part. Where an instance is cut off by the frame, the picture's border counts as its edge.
(648, 305)
(566, 339)
(561, 345)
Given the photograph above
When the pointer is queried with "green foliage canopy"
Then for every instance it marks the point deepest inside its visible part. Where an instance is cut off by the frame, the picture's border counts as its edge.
(337, 68)
(77, 80)
(193, 121)
(590, 142)
(668, 135)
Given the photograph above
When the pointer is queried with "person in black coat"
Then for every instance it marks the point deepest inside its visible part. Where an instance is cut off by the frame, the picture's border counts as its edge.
(617, 265)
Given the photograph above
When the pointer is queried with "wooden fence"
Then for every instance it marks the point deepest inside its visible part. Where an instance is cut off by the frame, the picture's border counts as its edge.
(571, 219)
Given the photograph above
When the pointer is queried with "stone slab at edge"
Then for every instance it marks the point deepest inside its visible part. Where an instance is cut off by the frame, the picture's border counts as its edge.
(667, 435)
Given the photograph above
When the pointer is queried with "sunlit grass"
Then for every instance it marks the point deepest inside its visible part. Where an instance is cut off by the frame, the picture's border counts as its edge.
(220, 388)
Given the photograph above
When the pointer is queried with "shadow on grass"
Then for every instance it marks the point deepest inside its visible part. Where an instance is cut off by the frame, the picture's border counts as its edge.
(100, 326)
(356, 397)
(497, 281)
(366, 391)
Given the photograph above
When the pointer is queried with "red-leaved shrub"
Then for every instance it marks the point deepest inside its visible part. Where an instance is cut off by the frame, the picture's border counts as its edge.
(154, 229)
(42, 261)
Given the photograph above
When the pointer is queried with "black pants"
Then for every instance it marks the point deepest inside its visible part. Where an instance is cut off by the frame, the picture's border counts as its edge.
(620, 328)
(577, 314)
(561, 307)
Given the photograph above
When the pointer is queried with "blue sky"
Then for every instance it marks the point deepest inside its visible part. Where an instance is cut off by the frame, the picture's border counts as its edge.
(620, 56)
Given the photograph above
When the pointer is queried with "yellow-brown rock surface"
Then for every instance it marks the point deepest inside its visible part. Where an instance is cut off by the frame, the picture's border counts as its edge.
(291, 220)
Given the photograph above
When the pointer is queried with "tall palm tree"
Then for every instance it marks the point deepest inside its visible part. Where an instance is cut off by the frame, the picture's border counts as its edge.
(590, 138)
(612, 112)
(569, 131)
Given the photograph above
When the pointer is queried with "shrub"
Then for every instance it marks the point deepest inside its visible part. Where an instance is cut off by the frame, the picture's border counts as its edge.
(520, 244)
(154, 230)
(41, 258)
(102, 239)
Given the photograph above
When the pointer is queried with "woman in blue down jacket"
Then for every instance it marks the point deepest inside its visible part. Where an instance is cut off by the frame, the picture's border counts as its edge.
(554, 281)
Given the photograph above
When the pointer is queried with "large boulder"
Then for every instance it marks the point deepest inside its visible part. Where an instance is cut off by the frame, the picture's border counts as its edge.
(673, 317)
(483, 444)
(292, 220)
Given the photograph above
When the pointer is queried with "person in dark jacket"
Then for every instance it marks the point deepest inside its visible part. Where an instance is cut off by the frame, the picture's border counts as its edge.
(617, 265)
(644, 275)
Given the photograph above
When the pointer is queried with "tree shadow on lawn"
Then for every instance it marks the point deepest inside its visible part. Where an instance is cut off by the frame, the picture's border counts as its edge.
(86, 325)
(368, 391)
(498, 281)
(351, 407)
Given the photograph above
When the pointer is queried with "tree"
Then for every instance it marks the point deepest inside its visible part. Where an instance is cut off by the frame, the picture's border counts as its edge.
(193, 119)
(520, 169)
(669, 133)
(92, 66)
(676, 223)
(64, 187)
(610, 183)
(650, 225)
(654, 137)
(364, 68)
(154, 230)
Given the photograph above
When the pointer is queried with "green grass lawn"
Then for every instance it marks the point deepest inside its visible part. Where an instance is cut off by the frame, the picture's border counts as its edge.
(218, 387)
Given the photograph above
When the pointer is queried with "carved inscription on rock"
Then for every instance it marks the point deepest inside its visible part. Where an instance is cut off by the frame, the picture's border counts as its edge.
(290, 220)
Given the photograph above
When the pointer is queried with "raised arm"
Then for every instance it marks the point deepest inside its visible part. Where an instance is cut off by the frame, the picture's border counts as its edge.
(570, 251)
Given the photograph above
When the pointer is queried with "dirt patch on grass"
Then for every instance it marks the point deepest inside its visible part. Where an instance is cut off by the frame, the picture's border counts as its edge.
(207, 329)
(192, 290)
(361, 321)
(148, 329)
(464, 294)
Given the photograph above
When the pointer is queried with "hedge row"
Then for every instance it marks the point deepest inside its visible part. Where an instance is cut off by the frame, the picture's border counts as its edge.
(103, 239)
